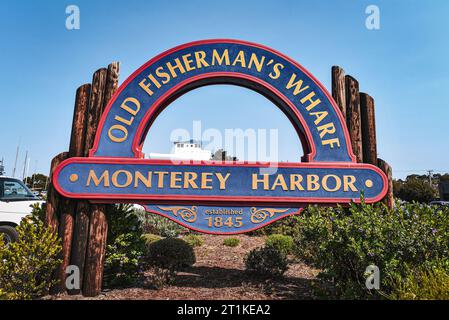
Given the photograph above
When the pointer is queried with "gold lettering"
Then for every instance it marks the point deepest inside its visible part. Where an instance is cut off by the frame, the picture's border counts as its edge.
(199, 57)
(205, 179)
(297, 84)
(348, 183)
(118, 127)
(331, 142)
(189, 179)
(145, 180)
(295, 182)
(337, 182)
(172, 68)
(160, 180)
(313, 103)
(280, 181)
(188, 62)
(257, 63)
(127, 108)
(104, 176)
(264, 180)
(129, 178)
(312, 182)
(320, 115)
(327, 128)
(174, 178)
(224, 56)
(222, 180)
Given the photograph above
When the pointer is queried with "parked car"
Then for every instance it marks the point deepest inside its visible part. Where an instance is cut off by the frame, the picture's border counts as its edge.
(15, 203)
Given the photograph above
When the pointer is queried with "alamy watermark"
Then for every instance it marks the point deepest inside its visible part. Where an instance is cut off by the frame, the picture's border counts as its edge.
(372, 21)
(247, 145)
(72, 21)
(372, 274)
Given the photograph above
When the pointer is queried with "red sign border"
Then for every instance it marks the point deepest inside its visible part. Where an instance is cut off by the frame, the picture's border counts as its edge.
(218, 199)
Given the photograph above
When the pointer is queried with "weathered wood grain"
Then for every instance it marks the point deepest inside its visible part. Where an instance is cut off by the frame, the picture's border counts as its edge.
(338, 88)
(98, 224)
(353, 118)
(386, 168)
(368, 129)
(51, 218)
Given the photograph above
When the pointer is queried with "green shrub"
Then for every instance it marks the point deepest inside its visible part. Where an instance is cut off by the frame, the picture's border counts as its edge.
(160, 277)
(125, 248)
(266, 262)
(170, 253)
(343, 242)
(159, 225)
(286, 226)
(231, 242)
(150, 238)
(284, 244)
(423, 283)
(26, 265)
(195, 240)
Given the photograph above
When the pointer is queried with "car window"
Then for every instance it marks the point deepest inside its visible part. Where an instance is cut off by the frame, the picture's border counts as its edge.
(12, 189)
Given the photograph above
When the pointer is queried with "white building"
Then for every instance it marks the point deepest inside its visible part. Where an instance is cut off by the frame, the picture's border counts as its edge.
(184, 150)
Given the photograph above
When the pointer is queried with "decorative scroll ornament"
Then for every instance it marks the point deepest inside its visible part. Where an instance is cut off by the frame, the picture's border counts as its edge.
(187, 214)
(260, 215)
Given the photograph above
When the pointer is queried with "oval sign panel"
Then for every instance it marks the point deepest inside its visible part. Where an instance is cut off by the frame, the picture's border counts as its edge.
(221, 197)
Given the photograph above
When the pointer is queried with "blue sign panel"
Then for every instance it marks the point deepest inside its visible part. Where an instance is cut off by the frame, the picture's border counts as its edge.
(222, 220)
(211, 197)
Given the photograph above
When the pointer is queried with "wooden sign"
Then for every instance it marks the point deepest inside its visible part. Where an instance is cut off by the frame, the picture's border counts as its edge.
(220, 197)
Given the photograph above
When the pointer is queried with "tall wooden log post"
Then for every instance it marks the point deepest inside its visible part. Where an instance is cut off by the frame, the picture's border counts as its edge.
(338, 88)
(67, 209)
(76, 149)
(368, 129)
(353, 120)
(53, 198)
(91, 118)
(386, 168)
(98, 225)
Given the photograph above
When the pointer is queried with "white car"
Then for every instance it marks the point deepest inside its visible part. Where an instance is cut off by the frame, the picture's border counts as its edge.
(15, 203)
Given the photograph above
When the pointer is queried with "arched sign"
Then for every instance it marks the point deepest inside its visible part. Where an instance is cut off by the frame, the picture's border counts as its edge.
(220, 197)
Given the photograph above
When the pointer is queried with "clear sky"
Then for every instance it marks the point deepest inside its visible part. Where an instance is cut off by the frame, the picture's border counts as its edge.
(404, 66)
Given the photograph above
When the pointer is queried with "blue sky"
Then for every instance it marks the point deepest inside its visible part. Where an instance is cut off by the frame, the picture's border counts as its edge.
(404, 66)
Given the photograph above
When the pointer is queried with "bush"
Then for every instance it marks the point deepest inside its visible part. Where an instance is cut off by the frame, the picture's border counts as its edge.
(415, 189)
(343, 242)
(26, 265)
(284, 244)
(125, 248)
(231, 242)
(150, 238)
(194, 240)
(170, 253)
(159, 225)
(423, 283)
(285, 226)
(266, 262)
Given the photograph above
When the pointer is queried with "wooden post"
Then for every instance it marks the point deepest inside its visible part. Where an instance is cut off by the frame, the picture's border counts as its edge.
(67, 209)
(87, 124)
(96, 251)
(368, 129)
(51, 218)
(353, 116)
(386, 168)
(98, 225)
(338, 88)
(77, 143)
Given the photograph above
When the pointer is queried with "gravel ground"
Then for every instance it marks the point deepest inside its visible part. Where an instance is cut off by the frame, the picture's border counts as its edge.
(219, 274)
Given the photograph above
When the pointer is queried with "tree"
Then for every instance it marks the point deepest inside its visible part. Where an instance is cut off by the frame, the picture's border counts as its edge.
(414, 188)
(221, 154)
(36, 181)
